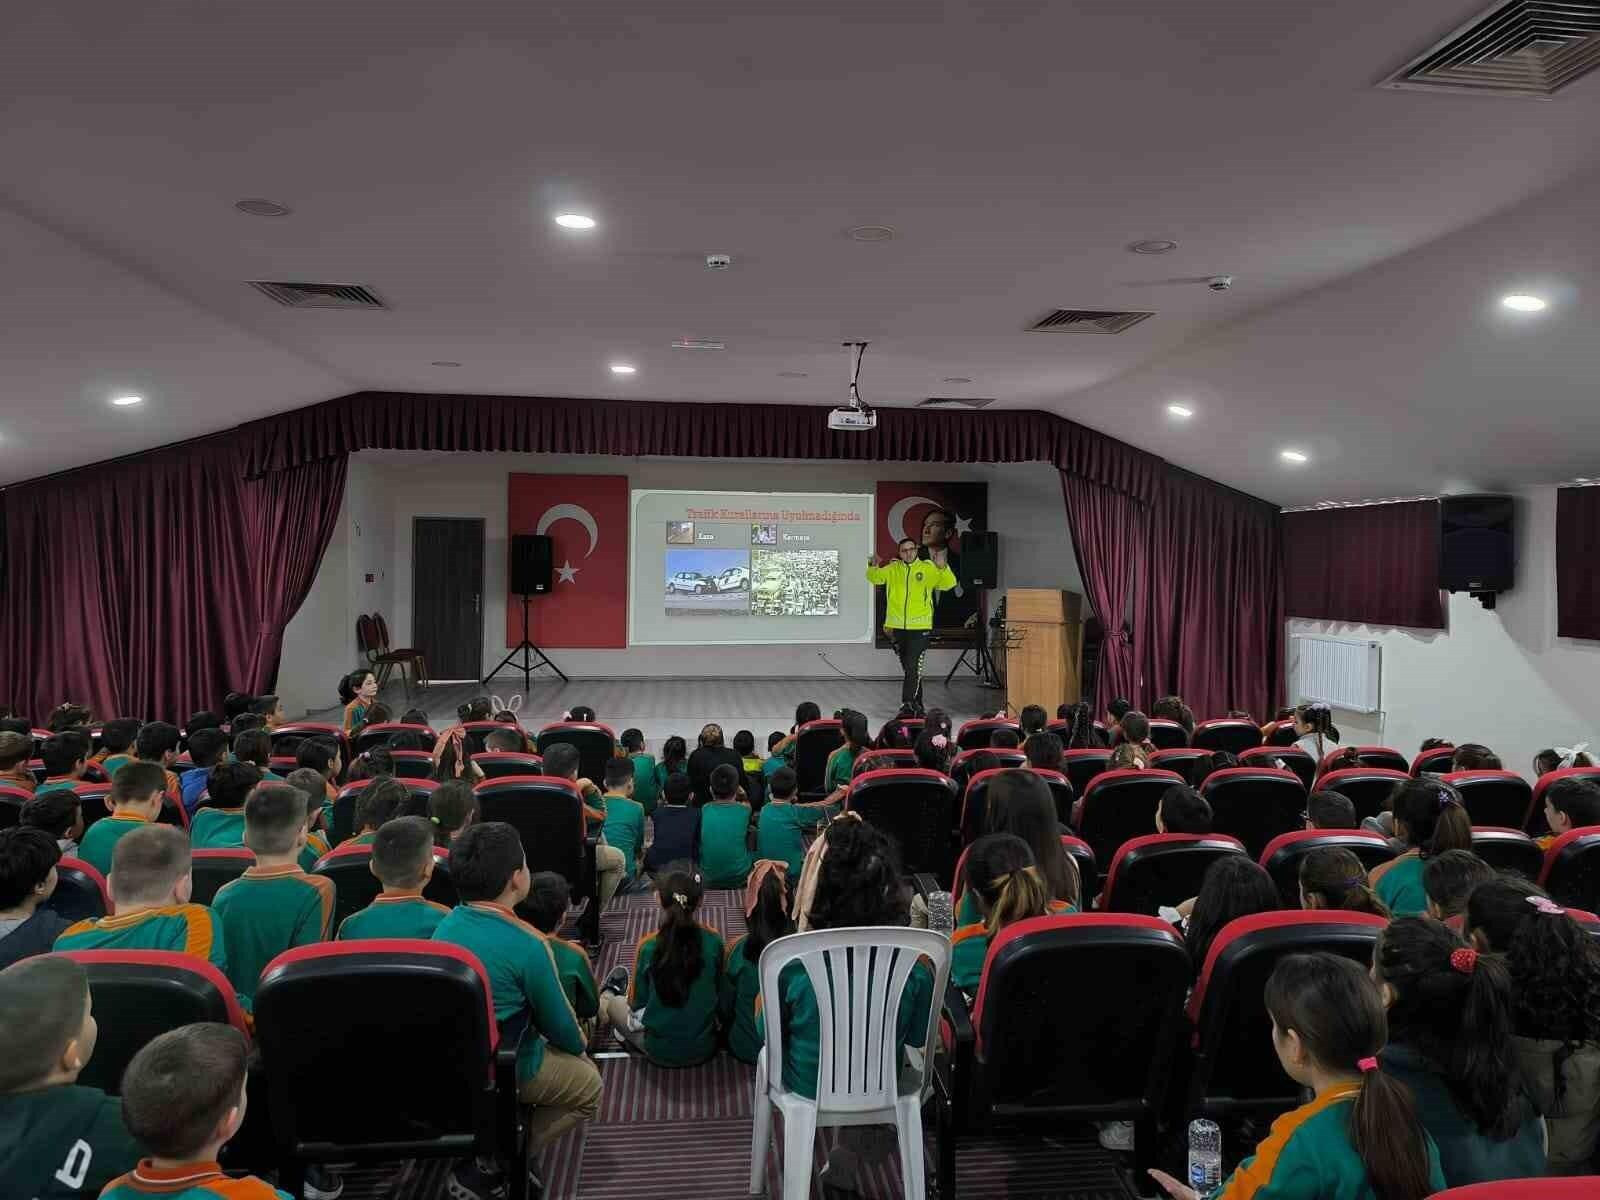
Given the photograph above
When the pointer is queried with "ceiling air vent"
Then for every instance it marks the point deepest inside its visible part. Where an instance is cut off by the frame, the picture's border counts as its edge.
(1518, 48)
(318, 295)
(956, 402)
(1086, 320)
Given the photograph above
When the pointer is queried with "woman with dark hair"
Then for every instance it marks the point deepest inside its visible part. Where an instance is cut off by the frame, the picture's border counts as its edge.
(710, 754)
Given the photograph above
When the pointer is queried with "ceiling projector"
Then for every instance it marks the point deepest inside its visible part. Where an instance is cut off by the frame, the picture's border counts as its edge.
(855, 414)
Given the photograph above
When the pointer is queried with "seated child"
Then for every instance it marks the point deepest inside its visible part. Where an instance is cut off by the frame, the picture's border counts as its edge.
(506, 741)
(150, 885)
(369, 764)
(670, 1011)
(254, 746)
(135, 801)
(1473, 756)
(1044, 751)
(1559, 758)
(309, 784)
(1448, 879)
(206, 749)
(549, 897)
(744, 745)
(57, 1140)
(1126, 756)
(219, 823)
(377, 804)
(1032, 719)
(837, 774)
(725, 832)
(1182, 810)
(646, 787)
(766, 917)
(116, 744)
(1334, 878)
(65, 757)
(1429, 819)
(28, 860)
(783, 821)
(1005, 739)
(561, 762)
(1134, 730)
(624, 827)
(158, 743)
(452, 807)
(676, 825)
(321, 754)
(1331, 810)
(270, 709)
(58, 813)
(1007, 887)
(402, 859)
(183, 1098)
(1570, 804)
(274, 906)
(15, 751)
(491, 876)
(774, 761)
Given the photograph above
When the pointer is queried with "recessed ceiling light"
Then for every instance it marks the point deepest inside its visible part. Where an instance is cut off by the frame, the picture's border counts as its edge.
(1523, 303)
(575, 221)
(443, 362)
(792, 374)
(262, 208)
(1294, 456)
(955, 379)
(1153, 246)
(1182, 411)
(126, 401)
(871, 233)
(622, 368)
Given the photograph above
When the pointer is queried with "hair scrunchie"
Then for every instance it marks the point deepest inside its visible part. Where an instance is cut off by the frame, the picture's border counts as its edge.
(1464, 960)
(1546, 906)
(1370, 1063)
(939, 741)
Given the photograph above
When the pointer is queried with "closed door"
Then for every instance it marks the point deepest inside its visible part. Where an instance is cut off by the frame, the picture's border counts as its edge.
(447, 595)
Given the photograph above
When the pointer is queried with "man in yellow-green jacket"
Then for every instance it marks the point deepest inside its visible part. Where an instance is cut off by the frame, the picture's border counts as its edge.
(909, 584)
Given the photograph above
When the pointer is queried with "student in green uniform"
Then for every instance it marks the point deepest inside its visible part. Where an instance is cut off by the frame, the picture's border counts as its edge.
(766, 917)
(57, 1140)
(646, 787)
(841, 763)
(1430, 819)
(783, 821)
(402, 859)
(254, 746)
(670, 1011)
(1360, 1137)
(452, 807)
(135, 800)
(674, 761)
(150, 886)
(774, 761)
(561, 761)
(274, 906)
(624, 827)
(28, 878)
(1020, 803)
(158, 743)
(321, 754)
(218, 824)
(1448, 879)
(309, 784)
(376, 805)
(66, 758)
(491, 876)
(1002, 879)
(116, 744)
(549, 897)
(1450, 1031)
(725, 832)
(183, 1097)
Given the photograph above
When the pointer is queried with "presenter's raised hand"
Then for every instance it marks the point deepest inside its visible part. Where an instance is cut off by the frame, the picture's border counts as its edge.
(874, 561)
(940, 555)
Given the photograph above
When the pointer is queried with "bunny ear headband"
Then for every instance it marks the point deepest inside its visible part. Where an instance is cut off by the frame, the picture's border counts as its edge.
(1569, 754)
(513, 706)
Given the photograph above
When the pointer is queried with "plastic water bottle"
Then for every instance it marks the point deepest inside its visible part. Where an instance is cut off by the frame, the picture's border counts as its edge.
(1205, 1155)
(941, 913)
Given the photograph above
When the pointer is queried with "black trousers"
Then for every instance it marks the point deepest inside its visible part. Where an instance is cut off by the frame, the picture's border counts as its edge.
(911, 646)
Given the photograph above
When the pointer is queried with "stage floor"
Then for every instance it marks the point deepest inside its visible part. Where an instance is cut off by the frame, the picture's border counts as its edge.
(663, 707)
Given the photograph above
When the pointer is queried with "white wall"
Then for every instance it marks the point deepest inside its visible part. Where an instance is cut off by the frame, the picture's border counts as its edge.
(1502, 678)
(387, 490)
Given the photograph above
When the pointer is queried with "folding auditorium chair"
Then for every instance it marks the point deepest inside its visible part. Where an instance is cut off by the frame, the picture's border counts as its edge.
(907, 729)
(1077, 850)
(1233, 734)
(961, 765)
(1522, 1189)
(1119, 806)
(12, 798)
(477, 731)
(1162, 868)
(548, 814)
(282, 764)
(93, 801)
(1571, 868)
(974, 806)
(496, 764)
(1061, 792)
(140, 994)
(883, 760)
(355, 886)
(372, 736)
(1367, 756)
(286, 739)
(341, 827)
(1080, 766)
(1434, 762)
(413, 764)
(1283, 854)
(916, 808)
(339, 1094)
(1255, 804)
(1063, 730)
(1508, 850)
(1167, 735)
(81, 893)
(596, 745)
(974, 735)
(1497, 798)
(1368, 788)
(39, 770)
(1537, 824)
(813, 742)
(1235, 1070)
(1039, 1048)
(372, 635)
(1278, 733)
(212, 869)
(1292, 758)
(1185, 760)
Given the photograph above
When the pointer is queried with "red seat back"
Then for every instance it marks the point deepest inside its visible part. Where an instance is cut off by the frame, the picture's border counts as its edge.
(1121, 805)
(1232, 734)
(1571, 868)
(1162, 869)
(81, 893)
(342, 825)
(212, 869)
(1501, 798)
(1507, 849)
(548, 813)
(1278, 733)
(379, 735)
(916, 808)
(1283, 854)
(1167, 735)
(1190, 762)
(1368, 788)
(1368, 756)
(1435, 762)
(496, 764)
(1291, 758)
(1255, 804)
(975, 735)
(813, 742)
(1080, 766)
(596, 745)
(355, 886)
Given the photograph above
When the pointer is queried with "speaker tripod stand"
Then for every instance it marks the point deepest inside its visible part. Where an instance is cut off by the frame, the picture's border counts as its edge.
(982, 664)
(527, 651)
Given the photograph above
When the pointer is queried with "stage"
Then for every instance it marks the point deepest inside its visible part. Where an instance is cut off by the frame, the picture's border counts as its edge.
(663, 707)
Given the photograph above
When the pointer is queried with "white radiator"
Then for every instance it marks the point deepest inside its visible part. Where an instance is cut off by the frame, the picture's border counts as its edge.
(1344, 674)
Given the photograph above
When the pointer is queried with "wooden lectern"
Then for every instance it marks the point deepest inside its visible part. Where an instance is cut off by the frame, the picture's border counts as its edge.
(1044, 648)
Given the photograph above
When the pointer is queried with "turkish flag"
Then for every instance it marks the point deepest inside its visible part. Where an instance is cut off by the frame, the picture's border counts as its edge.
(902, 508)
(586, 519)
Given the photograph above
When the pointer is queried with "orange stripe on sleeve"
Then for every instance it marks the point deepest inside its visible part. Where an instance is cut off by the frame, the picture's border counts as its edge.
(1255, 1173)
(198, 931)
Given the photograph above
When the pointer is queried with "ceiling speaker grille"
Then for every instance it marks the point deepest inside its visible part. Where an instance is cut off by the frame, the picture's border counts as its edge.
(956, 402)
(1519, 48)
(318, 295)
(1087, 320)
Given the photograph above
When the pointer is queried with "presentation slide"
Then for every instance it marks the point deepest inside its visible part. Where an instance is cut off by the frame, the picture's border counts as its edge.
(741, 568)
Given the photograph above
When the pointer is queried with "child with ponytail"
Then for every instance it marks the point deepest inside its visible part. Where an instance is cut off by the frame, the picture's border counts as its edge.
(1555, 1011)
(1314, 730)
(766, 916)
(1006, 887)
(1450, 1043)
(357, 692)
(1360, 1136)
(1335, 878)
(1429, 819)
(670, 1011)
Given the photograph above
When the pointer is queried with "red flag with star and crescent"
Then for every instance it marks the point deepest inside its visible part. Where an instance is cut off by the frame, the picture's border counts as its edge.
(586, 519)
(903, 507)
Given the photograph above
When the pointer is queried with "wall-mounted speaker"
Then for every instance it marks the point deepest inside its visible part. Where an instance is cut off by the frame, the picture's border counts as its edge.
(531, 564)
(980, 557)
(1477, 545)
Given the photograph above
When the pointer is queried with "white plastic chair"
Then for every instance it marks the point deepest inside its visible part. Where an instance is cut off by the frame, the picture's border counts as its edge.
(858, 1077)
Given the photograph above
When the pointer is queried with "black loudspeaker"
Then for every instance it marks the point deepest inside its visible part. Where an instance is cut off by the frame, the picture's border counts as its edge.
(980, 558)
(1477, 547)
(531, 566)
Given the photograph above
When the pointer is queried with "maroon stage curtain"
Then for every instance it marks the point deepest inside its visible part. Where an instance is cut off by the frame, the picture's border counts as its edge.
(1373, 564)
(1210, 616)
(1578, 562)
(1108, 541)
